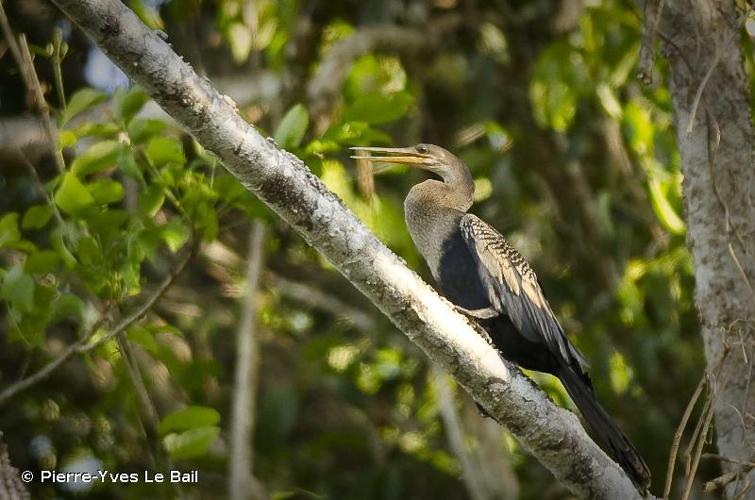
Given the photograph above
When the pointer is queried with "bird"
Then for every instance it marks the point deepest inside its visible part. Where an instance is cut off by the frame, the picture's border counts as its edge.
(487, 279)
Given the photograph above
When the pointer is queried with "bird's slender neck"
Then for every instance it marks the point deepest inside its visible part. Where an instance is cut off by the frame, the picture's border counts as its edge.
(433, 210)
(455, 192)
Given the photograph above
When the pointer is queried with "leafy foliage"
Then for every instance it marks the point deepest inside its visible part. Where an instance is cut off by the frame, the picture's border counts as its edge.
(572, 159)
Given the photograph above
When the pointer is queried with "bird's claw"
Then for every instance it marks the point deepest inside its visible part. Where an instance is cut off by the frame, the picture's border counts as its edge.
(483, 313)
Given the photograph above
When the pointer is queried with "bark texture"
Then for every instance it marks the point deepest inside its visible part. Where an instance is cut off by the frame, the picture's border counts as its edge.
(712, 114)
(281, 180)
(11, 486)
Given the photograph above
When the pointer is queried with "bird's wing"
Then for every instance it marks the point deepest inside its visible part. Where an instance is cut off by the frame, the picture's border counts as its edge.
(513, 288)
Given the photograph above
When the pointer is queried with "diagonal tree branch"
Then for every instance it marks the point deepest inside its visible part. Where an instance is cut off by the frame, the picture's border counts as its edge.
(282, 181)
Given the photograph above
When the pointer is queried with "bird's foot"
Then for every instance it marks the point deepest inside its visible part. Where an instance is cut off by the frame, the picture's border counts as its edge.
(483, 313)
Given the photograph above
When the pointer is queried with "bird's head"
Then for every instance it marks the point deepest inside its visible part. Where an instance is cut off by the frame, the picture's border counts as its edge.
(424, 156)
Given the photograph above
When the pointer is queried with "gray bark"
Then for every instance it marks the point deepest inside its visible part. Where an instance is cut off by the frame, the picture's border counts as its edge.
(241, 482)
(281, 180)
(470, 471)
(11, 486)
(711, 103)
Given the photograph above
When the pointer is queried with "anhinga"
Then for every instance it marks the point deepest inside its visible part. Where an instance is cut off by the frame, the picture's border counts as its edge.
(487, 279)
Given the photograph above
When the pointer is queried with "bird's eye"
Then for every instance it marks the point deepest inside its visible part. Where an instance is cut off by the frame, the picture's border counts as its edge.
(421, 148)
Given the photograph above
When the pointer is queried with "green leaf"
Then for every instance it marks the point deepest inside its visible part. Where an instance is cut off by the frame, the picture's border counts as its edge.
(140, 130)
(147, 14)
(639, 128)
(371, 73)
(106, 191)
(191, 417)
(18, 289)
(240, 41)
(69, 306)
(36, 217)
(207, 157)
(663, 209)
(292, 127)
(555, 86)
(205, 219)
(107, 130)
(9, 232)
(80, 102)
(321, 148)
(143, 337)
(377, 107)
(163, 150)
(56, 241)
(30, 327)
(174, 234)
(42, 262)
(609, 101)
(129, 103)
(72, 196)
(106, 224)
(97, 158)
(190, 444)
(150, 200)
(66, 139)
(620, 374)
(345, 132)
(131, 277)
(89, 252)
(127, 164)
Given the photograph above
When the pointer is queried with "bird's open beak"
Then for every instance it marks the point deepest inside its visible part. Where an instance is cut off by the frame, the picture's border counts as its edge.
(404, 156)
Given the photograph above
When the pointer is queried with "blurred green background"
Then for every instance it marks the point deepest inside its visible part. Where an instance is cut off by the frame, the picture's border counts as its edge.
(574, 161)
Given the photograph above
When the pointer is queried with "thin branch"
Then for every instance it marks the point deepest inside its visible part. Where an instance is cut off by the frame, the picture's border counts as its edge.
(281, 180)
(88, 342)
(241, 481)
(707, 379)
(725, 479)
(314, 297)
(694, 460)
(456, 439)
(226, 264)
(148, 418)
(22, 55)
(14, 48)
(653, 12)
(678, 435)
(40, 185)
(147, 412)
(41, 102)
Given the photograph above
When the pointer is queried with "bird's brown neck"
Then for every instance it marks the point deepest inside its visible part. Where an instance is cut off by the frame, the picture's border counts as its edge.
(433, 210)
(456, 191)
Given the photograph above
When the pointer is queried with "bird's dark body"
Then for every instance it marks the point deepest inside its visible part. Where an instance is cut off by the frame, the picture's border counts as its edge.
(457, 274)
(476, 269)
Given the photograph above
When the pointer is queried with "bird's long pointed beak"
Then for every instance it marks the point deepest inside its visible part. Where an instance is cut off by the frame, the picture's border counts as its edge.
(405, 156)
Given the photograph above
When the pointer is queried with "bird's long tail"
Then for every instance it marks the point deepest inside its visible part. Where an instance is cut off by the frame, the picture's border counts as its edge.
(603, 429)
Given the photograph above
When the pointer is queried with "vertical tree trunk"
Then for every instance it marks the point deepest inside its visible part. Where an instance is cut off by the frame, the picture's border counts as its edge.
(712, 114)
(241, 482)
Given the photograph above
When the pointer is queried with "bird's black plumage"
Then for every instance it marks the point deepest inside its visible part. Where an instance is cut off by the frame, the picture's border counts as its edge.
(482, 274)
